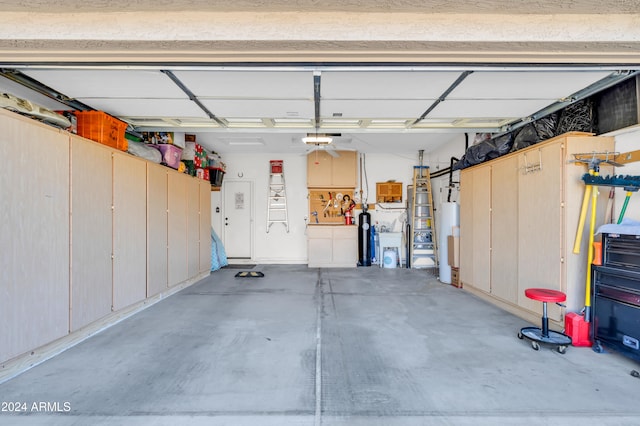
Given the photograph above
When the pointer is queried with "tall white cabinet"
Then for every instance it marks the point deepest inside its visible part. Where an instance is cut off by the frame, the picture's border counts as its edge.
(518, 219)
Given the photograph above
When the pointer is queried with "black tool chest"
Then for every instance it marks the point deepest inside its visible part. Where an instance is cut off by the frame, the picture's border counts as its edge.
(616, 296)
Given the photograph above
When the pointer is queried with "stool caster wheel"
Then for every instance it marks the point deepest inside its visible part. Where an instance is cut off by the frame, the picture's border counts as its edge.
(520, 336)
(535, 345)
(562, 349)
(597, 347)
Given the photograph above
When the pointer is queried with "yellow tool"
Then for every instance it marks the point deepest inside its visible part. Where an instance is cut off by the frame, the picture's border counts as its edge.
(592, 231)
(583, 216)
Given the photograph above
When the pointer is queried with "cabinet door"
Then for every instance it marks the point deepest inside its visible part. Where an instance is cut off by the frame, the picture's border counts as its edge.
(540, 228)
(177, 219)
(466, 227)
(319, 166)
(157, 229)
(34, 235)
(481, 227)
(504, 229)
(91, 232)
(320, 251)
(344, 169)
(193, 226)
(129, 230)
(205, 226)
(345, 246)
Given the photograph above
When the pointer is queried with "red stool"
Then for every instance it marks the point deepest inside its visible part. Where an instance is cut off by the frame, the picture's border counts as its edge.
(543, 334)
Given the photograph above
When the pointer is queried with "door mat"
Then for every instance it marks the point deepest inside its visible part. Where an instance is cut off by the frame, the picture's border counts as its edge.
(249, 274)
(241, 266)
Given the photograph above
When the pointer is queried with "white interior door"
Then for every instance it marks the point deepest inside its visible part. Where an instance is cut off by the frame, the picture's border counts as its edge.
(216, 212)
(238, 219)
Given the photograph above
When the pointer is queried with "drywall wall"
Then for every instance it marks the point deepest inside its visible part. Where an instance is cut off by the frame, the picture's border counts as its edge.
(382, 168)
(628, 141)
(277, 245)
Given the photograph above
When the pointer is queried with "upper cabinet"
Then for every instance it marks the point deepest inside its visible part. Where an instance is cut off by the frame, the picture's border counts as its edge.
(325, 171)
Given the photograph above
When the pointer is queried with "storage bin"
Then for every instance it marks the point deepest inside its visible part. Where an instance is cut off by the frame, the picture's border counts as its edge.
(101, 127)
(215, 176)
(171, 154)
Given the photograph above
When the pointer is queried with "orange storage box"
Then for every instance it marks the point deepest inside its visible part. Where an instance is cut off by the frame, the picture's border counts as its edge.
(101, 127)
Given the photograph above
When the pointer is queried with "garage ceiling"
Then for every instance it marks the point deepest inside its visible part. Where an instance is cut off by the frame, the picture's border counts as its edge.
(374, 108)
(388, 75)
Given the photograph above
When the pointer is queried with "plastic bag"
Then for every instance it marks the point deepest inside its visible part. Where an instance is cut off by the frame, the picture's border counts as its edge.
(143, 150)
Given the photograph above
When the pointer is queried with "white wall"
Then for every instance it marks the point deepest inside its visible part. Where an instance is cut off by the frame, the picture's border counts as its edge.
(382, 168)
(276, 246)
(626, 142)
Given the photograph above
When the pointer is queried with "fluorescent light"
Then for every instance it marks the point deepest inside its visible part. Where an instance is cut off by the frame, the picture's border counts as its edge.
(320, 140)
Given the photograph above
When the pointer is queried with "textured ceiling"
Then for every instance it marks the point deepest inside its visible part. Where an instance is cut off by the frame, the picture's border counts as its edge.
(432, 6)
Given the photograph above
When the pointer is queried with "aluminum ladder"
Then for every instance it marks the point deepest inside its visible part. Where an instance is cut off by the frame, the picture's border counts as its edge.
(277, 210)
(423, 246)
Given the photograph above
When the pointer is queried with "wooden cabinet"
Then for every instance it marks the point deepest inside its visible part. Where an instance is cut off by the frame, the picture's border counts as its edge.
(332, 246)
(389, 192)
(91, 231)
(129, 230)
(518, 218)
(177, 219)
(34, 234)
(89, 234)
(205, 227)
(157, 231)
(325, 171)
(504, 236)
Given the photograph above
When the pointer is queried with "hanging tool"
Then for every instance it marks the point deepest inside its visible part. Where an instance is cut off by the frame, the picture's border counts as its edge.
(629, 192)
(583, 216)
(593, 161)
(608, 214)
(592, 230)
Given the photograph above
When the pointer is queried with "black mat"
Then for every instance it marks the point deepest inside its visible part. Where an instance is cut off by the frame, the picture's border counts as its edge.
(241, 266)
(249, 274)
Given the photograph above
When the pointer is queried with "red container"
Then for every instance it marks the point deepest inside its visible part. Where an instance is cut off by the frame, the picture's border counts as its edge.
(276, 166)
(576, 328)
(101, 127)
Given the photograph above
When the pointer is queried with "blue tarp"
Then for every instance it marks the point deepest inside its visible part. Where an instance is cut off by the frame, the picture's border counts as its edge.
(218, 254)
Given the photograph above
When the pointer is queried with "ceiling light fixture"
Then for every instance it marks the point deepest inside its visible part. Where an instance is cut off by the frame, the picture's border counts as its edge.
(317, 139)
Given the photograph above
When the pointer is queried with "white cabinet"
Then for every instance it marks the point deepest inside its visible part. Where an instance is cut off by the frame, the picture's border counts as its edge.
(332, 246)
(518, 218)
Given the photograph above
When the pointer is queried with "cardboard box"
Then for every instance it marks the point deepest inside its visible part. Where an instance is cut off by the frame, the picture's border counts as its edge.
(455, 278)
(453, 246)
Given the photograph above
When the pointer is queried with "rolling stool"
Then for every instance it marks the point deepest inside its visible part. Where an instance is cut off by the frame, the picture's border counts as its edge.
(543, 334)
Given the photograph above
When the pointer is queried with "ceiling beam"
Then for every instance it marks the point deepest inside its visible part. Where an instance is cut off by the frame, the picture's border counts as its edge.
(193, 97)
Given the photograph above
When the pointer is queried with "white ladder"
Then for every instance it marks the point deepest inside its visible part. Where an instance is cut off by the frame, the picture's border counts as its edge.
(424, 250)
(277, 211)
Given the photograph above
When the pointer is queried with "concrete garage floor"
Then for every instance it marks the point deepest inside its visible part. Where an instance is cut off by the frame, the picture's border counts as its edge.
(302, 346)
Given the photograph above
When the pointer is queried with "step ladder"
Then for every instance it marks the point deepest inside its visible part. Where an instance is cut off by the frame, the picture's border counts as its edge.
(277, 210)
(423, 246)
